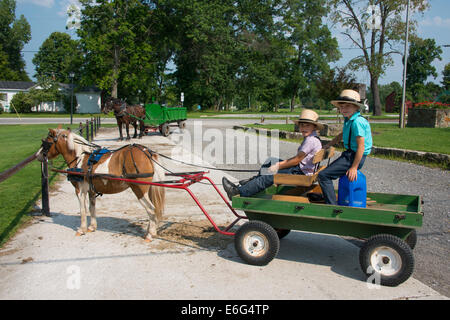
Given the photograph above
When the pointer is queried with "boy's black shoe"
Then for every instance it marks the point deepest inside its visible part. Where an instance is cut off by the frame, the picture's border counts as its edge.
(230, 188)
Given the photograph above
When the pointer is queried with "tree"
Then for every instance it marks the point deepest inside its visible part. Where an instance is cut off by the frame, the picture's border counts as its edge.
(57, 57)
(114, 39)
(206, 49)
(375, 27)
(422, 52)
(14, 34)
(330, 84)
(311, 45)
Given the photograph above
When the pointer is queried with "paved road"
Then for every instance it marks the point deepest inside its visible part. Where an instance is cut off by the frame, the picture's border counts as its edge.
(433, 249)
(49, 120)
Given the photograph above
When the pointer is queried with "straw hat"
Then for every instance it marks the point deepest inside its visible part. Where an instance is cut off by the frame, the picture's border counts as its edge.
(349, 96)
(309, 116)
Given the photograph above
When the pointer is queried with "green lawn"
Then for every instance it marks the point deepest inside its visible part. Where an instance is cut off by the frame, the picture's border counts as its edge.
(20, 192)
(391, 136)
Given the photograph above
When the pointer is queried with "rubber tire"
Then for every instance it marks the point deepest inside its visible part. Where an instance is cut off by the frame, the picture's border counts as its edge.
(271, 242)
(182, 124)
(400, 247)
(282, 233)
(164, 129)
(411, 240)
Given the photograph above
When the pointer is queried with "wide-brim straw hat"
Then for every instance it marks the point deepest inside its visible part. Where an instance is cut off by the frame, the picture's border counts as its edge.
(349, 96)
(309, 116)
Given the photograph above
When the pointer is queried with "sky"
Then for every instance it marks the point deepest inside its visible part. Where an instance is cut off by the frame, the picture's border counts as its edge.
(47, 16)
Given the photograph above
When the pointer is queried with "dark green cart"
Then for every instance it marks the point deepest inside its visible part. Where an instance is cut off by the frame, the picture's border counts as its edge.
(159, 117)
(388, 225)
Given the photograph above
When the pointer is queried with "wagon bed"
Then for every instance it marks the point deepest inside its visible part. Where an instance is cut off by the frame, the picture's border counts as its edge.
(385, 213)
(160, 117)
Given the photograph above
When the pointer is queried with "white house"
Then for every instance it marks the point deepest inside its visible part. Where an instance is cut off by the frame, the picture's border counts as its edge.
(9, 88)
(88, 99)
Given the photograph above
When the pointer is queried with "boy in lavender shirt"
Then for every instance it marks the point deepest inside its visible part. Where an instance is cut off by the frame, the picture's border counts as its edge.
(299, 164)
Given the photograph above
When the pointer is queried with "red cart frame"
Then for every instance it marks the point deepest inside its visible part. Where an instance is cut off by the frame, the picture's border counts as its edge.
(187, 180)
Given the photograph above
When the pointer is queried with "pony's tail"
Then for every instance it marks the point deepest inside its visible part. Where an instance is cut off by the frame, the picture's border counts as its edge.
(156, 194)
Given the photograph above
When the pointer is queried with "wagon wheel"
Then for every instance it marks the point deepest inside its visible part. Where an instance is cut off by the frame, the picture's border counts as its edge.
(388, 259)
(182, 124)
(257, 243)
(164, 129)
(282, 232)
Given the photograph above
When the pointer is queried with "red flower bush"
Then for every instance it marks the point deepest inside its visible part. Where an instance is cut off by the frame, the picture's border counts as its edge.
(432, 105)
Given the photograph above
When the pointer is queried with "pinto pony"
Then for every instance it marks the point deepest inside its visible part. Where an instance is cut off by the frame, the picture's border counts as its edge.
(129, 160)
(127, 115)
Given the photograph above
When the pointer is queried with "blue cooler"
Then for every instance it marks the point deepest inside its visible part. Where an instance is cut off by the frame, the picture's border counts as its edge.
(352, 194)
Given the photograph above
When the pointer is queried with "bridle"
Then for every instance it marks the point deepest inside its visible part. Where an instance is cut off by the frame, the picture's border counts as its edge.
(46, 145)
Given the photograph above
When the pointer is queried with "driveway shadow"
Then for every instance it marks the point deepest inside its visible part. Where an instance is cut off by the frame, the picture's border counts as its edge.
(315, 249)
(108, 224)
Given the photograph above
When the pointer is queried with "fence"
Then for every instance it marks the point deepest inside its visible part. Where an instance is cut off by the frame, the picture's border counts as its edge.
(90, 128)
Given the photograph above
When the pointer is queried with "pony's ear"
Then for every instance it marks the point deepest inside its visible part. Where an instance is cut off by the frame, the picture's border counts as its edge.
(68, 129)
(52, 132)
(59, 126)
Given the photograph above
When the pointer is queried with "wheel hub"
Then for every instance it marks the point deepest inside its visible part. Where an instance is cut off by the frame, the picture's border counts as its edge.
(255, 243)
(386, 261)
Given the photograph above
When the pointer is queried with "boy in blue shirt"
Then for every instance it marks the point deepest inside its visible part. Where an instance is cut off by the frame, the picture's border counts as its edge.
(357, 139)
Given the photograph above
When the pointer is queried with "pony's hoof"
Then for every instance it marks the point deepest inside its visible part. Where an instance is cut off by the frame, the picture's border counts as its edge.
(148, 240)
(79, 234)
(91, 229)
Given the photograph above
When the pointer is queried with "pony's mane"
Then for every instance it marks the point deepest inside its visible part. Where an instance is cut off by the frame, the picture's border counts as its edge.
(78, 143)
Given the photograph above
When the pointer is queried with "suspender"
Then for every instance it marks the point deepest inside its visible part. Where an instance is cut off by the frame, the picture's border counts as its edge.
(350, 134)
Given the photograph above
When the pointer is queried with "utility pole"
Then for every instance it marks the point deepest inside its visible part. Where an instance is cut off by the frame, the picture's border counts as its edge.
(402, 108)
(71, 75)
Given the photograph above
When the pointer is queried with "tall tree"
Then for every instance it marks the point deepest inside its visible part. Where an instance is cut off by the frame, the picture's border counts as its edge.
(312, 47)
(113, 36)
(422, 53)
(14, 34)
(206, 51)
(330, 84)
(57, 57)
(375, 27)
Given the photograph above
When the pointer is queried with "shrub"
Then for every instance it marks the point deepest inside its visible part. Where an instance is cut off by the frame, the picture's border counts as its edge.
(23, 102)
(432, 105)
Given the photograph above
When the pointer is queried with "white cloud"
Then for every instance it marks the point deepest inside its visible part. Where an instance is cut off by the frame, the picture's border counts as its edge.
(42, 3)
(436, 21)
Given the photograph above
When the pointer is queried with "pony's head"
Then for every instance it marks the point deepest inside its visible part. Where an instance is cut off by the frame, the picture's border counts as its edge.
(65, 142)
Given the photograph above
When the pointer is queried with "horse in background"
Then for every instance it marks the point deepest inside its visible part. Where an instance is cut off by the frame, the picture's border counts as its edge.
(126, 114)
(128, 160)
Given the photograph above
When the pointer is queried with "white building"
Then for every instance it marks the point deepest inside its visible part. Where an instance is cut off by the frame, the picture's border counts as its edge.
(9, 88)
(88, 99)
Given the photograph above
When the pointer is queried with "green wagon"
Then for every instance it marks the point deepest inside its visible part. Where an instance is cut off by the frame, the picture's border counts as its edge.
(160, 117)
(388, 225)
